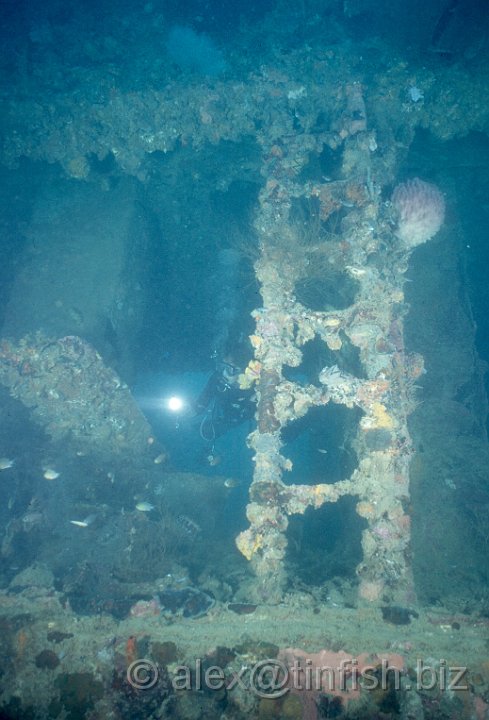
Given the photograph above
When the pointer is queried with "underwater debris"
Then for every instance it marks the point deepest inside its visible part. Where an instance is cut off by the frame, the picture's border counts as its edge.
(187, 602)
(47, 660)
(74, 397)
(145, 608)
(57, 636)
(397, 615)
(132, 703)
(165, 652)
(242, 608)
(78, 692)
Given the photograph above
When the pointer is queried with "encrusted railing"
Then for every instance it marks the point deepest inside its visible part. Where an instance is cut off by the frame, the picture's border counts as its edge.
(369, 252)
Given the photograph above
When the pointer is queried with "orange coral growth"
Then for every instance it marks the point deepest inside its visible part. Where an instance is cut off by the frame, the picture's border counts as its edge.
(131, 650)
(366, 509)
(336, 674)
(378, 418)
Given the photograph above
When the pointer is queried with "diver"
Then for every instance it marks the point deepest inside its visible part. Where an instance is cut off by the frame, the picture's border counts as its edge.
(223, 404)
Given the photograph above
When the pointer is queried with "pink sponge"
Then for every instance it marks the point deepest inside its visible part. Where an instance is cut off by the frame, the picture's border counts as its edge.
(420, 209)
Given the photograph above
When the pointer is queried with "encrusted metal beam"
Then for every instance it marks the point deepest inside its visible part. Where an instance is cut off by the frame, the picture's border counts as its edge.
(376, 257)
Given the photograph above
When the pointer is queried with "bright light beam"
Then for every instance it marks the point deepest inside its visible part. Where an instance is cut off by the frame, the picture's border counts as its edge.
(175, 404)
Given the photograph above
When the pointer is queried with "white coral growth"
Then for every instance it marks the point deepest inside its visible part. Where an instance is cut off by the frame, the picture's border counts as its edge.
(420, 209)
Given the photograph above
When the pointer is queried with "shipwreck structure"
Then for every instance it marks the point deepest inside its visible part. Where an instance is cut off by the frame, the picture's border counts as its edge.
(370, 250)
(121, 183)
(290, 119)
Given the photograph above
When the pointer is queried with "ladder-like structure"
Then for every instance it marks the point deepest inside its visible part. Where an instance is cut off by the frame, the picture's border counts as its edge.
(367, 251)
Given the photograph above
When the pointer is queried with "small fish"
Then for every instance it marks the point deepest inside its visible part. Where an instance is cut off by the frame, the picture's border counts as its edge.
(355, 271)
(51, 474)
(231, 483)
(322, 451)
(6, 463)
(161, 458)
(84, 523)
(144, 506)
